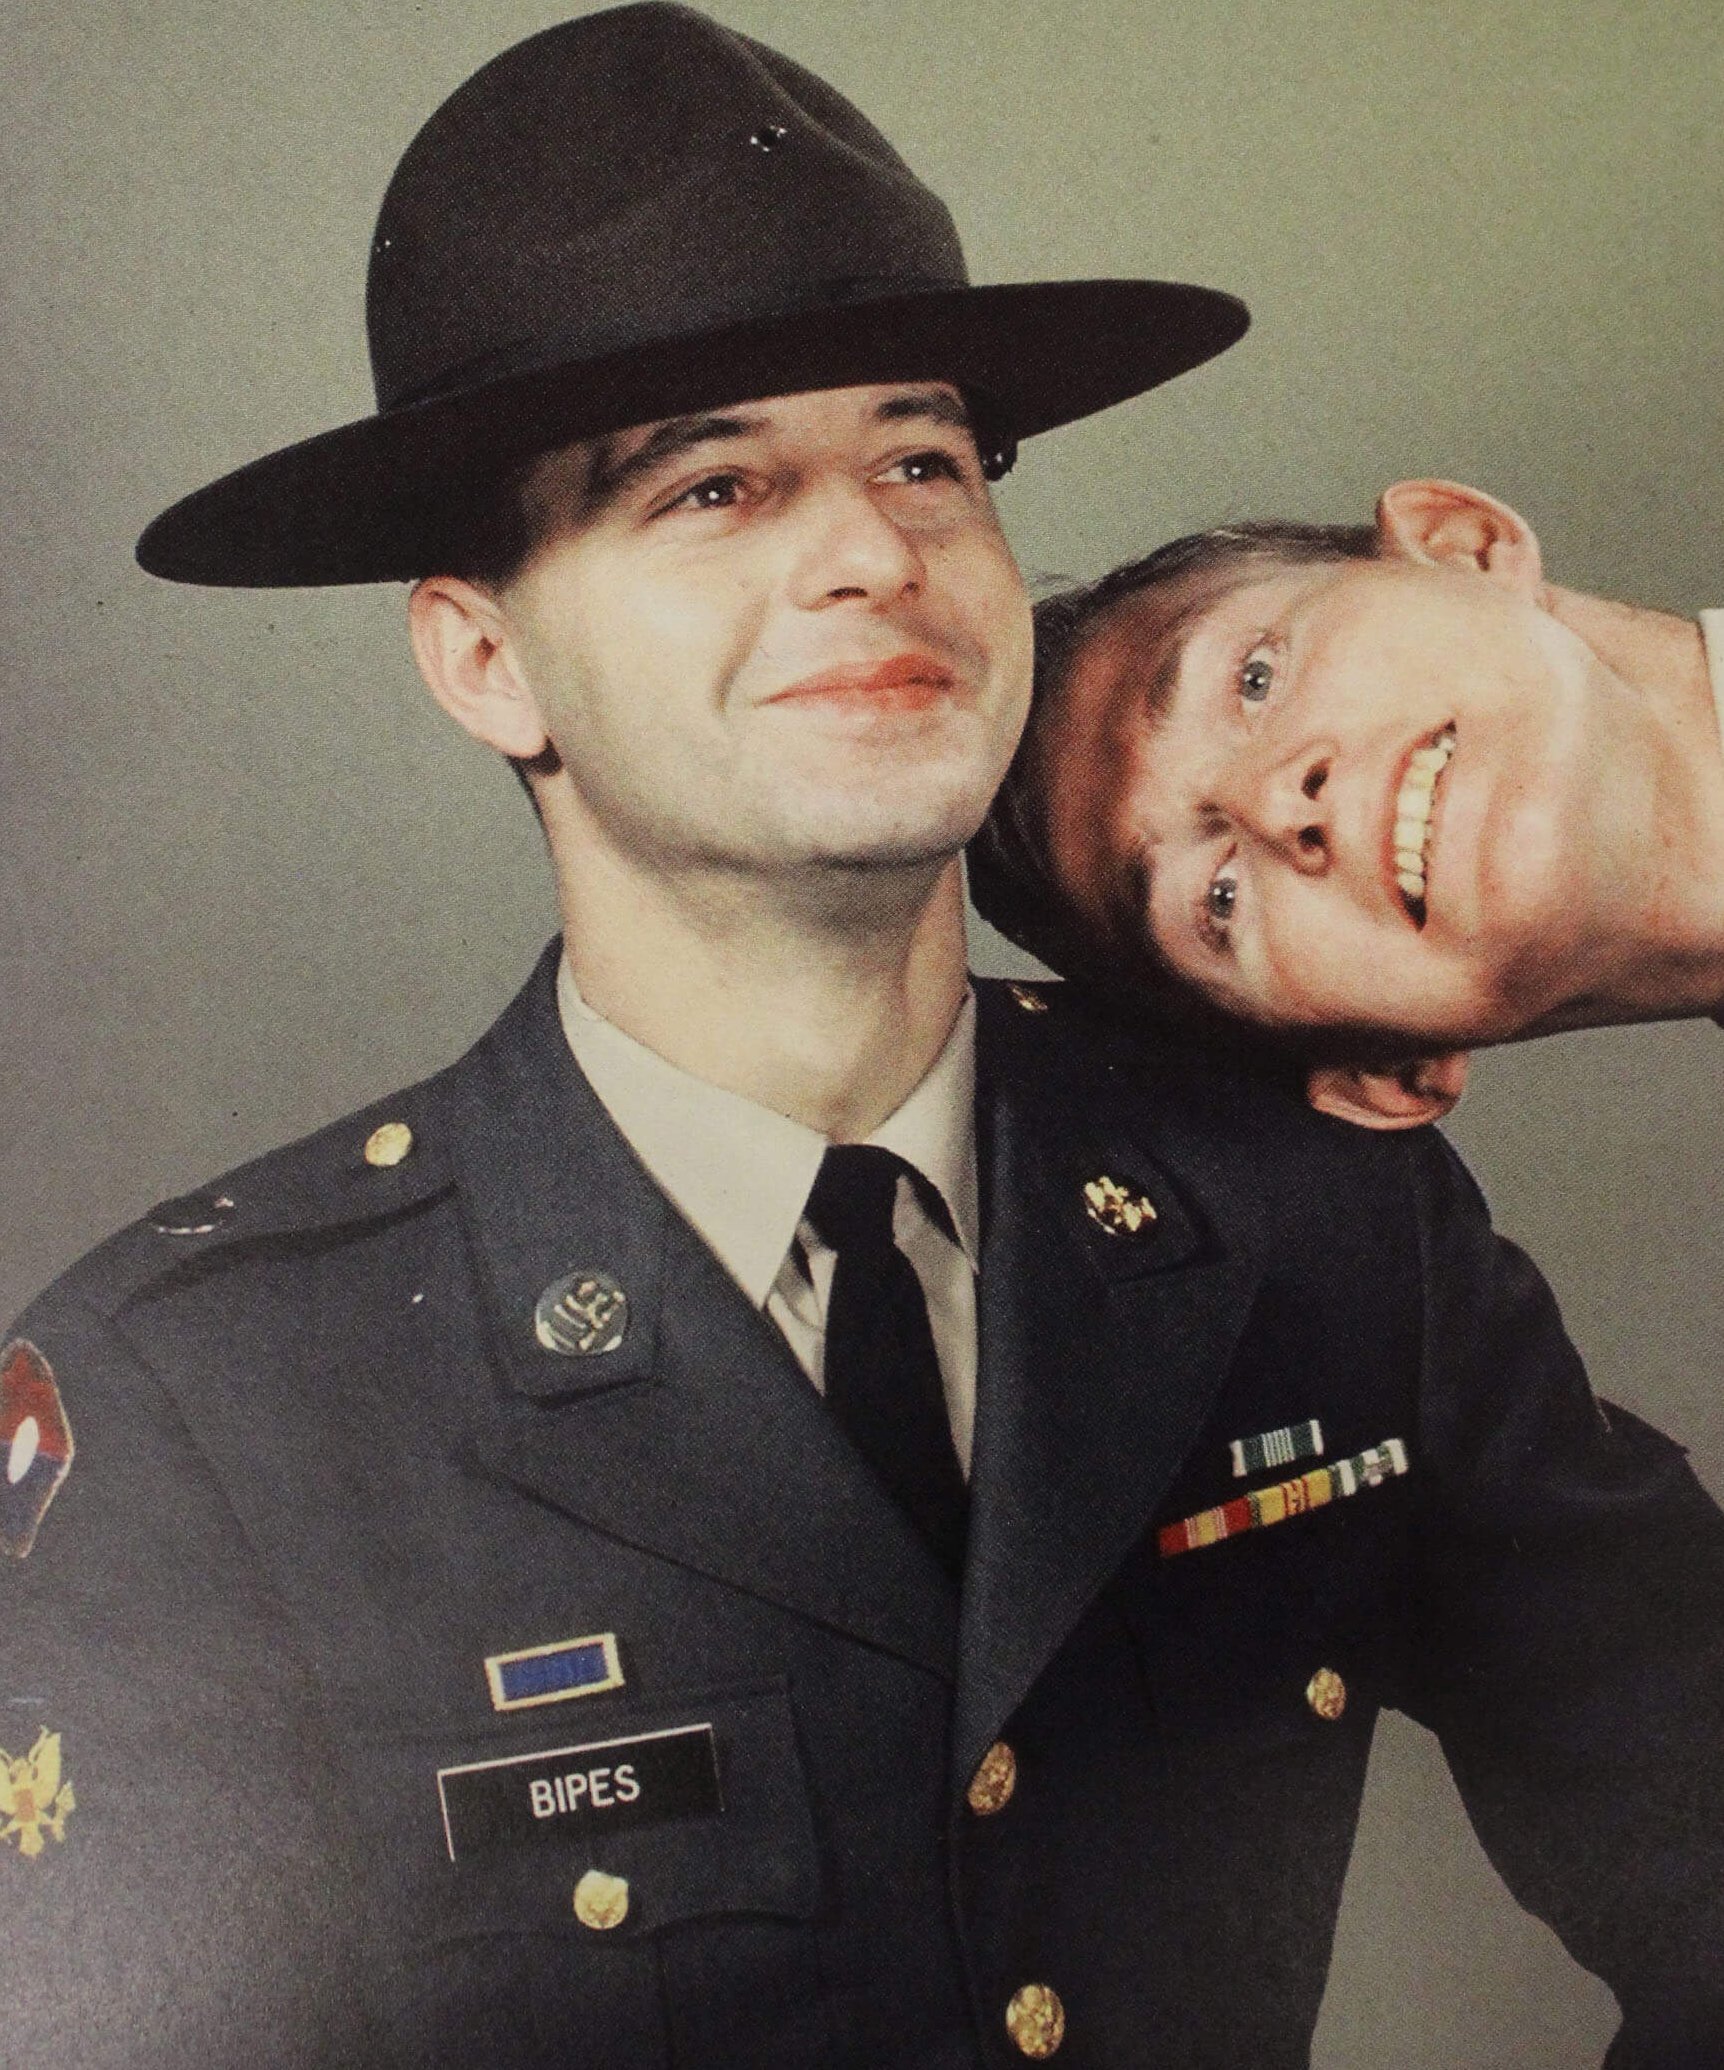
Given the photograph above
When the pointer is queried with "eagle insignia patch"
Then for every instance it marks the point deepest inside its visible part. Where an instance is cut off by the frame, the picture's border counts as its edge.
(35, 1798)
(35, 1444)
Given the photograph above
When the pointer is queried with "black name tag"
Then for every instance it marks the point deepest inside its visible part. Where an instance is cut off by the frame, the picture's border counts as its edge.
(607, 1783)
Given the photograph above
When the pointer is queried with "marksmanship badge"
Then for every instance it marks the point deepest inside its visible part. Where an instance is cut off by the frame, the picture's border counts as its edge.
(35, 1797)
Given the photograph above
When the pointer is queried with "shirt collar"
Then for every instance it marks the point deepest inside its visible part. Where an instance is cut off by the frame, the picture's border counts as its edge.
(1712, 637)
(935, 1130)
(740, 1173)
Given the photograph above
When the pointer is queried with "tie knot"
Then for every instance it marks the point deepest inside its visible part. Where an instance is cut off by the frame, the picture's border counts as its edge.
(853, 1195)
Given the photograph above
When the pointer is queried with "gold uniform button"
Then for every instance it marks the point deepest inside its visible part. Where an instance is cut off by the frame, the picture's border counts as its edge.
(1030, 1000)
(1326, 1693)
(1036, 2020)
(388, 1144)
(995, 1779)
(601, 1901)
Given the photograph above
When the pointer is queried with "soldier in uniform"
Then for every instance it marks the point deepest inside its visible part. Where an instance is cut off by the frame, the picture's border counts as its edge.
(1360, 799)
(788, 1509)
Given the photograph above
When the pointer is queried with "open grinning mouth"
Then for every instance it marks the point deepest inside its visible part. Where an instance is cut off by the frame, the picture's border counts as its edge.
(1415, 803)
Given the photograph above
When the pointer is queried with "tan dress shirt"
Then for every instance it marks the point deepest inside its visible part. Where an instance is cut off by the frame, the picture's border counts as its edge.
(1712, 637)
(740, 1175)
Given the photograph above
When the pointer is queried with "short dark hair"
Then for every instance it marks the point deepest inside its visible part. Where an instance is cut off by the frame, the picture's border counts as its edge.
(1012, 881)
(486, 534)
(493, 530)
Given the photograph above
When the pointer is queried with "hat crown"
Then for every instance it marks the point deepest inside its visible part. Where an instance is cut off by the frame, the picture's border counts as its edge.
(626, 218)
(630, 177)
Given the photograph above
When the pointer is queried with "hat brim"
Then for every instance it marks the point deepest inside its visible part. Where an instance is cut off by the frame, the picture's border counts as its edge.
(371, 501)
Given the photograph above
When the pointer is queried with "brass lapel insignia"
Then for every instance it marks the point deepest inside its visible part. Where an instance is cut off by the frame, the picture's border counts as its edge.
(1122, 1210)
(34, 1797)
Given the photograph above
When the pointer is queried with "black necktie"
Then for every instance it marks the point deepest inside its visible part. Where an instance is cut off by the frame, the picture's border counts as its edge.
(882, 1374)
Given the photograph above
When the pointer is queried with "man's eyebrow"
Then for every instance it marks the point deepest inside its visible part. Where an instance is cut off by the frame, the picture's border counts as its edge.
(938, 405)
(1125, 901)
(666, 441)
(1171, 640)
(677, 435)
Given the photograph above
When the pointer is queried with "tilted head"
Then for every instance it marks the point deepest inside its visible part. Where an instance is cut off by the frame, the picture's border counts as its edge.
(1357, 795)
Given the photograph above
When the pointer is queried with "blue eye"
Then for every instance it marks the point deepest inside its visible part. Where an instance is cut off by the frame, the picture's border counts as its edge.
(1220, 900)
(1255, 678)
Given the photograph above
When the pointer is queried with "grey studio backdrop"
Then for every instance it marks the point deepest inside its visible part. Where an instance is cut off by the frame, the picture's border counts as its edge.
(249, 878)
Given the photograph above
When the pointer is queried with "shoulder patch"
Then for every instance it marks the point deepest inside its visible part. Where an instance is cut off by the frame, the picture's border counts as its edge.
(35, 1444)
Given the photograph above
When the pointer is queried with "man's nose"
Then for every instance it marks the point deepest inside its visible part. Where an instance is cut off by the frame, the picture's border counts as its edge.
(854, 549)
(1287, 803)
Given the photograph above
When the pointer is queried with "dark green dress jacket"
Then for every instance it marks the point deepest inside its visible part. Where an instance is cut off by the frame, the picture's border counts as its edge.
(266, 1804)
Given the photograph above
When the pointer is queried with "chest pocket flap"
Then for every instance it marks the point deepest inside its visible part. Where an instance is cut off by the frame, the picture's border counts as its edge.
(631, 1820)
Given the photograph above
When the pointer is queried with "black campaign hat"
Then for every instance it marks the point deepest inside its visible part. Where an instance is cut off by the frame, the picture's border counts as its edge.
(628, 217)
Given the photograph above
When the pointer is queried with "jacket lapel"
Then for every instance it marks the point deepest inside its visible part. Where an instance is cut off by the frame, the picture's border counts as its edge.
(697, 1437)
(1101, 1354)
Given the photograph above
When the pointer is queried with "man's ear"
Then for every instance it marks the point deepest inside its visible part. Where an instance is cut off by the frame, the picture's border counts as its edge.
(1405, 1096)
(463, 644)
(1448, 525)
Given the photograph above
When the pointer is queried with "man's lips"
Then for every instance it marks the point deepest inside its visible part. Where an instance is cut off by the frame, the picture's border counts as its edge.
(905, 683)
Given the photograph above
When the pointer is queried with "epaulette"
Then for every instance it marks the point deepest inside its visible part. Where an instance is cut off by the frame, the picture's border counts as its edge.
(1033, 996)
(1126, 1042)
(1053, 1010)
(1031, 1019)
(369, 1166)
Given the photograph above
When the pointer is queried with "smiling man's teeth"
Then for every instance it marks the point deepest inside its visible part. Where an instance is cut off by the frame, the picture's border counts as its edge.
(1413, 812)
